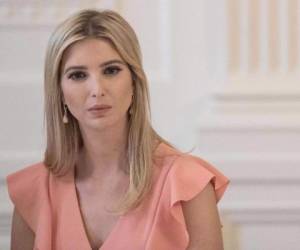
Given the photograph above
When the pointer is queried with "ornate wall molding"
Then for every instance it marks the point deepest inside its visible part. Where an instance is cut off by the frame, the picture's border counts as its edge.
(281, 213)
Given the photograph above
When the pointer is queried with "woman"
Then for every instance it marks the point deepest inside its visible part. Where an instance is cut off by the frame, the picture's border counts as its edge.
(108, 180)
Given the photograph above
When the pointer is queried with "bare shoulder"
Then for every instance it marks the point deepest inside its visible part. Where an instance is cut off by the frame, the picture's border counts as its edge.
(202, 221)
(22, 237)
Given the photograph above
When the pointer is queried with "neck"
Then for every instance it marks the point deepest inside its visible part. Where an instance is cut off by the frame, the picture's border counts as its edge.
(104, 152)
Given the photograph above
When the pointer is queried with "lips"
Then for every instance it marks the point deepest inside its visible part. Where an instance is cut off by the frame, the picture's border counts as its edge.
(99, 107)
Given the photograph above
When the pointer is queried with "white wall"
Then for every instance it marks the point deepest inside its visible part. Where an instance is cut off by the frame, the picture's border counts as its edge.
(210, 88)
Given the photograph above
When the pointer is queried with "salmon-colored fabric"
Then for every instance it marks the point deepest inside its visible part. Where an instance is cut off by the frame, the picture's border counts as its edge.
(50, 205)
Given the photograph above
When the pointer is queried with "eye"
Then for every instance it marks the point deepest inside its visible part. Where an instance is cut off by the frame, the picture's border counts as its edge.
(77, 76)
(112, 70)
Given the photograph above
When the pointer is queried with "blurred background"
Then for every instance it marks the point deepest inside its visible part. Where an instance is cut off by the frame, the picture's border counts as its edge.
(224, 80)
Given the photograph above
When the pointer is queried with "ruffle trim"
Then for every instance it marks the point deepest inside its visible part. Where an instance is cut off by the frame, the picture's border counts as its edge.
(188, 176)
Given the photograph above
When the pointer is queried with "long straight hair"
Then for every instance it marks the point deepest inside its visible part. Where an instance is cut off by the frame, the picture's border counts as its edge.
(63, 141)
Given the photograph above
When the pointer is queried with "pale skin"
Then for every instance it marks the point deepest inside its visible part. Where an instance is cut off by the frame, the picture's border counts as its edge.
(94, 73)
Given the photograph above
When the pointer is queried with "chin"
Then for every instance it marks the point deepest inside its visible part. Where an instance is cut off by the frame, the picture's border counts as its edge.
(100, 124)
(105, 122)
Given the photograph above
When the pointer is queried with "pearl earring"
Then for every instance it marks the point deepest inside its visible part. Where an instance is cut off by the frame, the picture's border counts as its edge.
(65, 118)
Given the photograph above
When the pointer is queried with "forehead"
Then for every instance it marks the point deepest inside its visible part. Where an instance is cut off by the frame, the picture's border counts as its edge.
(88, 51)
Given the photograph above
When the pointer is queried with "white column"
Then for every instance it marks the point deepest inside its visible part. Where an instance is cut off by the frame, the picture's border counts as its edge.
(254, 45)
(273, 44)
(297, 28)
(263, 37)
(233, 35)
(284, 38)
(244, 36)
(293, 33)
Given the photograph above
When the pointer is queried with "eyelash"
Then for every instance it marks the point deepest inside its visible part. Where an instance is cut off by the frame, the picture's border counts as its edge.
(74, 75)
(115, 68)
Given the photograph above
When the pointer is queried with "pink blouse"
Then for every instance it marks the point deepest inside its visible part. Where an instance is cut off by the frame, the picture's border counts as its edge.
(50, 205)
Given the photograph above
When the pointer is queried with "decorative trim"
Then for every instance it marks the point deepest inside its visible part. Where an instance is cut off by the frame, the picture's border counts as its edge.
(252, 123)
(269, 165)
(278, 87)
(262, 213)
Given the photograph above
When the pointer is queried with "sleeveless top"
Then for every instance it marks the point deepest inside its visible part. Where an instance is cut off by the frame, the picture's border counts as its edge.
(50, 206)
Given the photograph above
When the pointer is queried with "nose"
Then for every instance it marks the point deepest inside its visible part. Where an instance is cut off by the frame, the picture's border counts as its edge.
(97, 87)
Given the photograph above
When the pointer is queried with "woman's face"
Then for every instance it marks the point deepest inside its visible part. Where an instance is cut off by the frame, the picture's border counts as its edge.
(93, 73)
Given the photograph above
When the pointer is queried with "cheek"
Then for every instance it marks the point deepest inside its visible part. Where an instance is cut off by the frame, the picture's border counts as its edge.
(127, 96)
(73, 97)
(123, 92)
(67, 94)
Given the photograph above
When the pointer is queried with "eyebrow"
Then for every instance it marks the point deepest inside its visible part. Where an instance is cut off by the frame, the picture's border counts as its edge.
(101, 65)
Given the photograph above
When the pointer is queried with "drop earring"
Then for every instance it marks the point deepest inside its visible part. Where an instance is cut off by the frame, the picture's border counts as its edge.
(65, 117)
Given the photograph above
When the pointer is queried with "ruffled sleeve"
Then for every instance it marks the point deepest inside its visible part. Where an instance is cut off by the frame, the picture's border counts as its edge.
(187, 177)
(26, 189)
(190, 174)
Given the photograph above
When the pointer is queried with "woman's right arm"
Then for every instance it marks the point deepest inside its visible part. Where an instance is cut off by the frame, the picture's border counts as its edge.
(22, 237)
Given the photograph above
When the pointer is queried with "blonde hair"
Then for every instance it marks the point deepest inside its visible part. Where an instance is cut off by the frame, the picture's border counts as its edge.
(63, 141)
